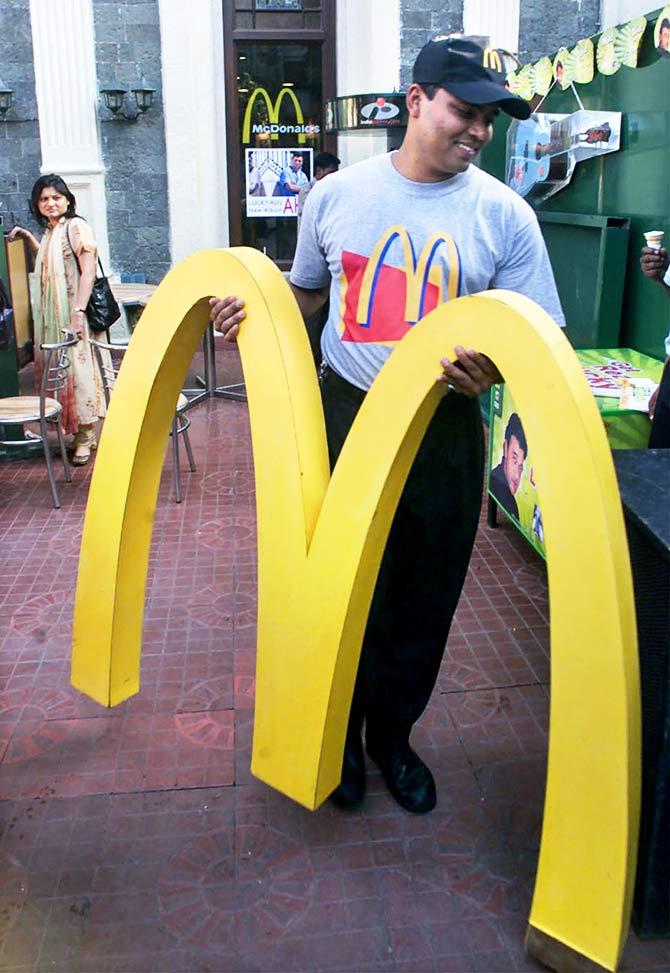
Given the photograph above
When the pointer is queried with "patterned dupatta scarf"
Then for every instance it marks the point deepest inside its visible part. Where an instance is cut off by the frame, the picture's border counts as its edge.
(51, 312)
(51, 305)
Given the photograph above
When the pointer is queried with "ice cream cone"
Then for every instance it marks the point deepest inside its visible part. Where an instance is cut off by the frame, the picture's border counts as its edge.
(654, 239)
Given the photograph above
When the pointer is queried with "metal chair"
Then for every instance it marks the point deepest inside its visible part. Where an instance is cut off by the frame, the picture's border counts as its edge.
(44, 408)
(180, 421)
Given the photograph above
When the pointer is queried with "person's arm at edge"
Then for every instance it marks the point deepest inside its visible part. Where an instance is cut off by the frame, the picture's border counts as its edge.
(19, 231)
(654, 265)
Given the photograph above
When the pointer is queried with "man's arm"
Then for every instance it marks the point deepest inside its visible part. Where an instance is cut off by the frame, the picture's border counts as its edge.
(228, 313)
(309, 301)
(527, 271)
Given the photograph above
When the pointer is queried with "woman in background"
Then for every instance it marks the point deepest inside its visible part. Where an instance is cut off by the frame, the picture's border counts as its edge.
(65, 268)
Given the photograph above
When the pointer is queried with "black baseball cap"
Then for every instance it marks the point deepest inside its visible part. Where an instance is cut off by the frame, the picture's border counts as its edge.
(469, 72)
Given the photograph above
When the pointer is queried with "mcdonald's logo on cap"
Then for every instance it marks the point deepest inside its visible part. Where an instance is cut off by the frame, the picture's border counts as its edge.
(417, 273)
(272, 127)
(492, 60)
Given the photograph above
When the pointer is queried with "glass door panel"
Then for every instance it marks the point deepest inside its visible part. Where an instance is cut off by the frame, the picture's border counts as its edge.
(280, 103)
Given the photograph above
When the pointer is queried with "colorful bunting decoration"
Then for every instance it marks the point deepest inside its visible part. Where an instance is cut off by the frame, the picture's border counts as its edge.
(617, 46)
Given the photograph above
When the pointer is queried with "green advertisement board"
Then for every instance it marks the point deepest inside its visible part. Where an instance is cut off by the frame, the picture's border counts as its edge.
(622, 381)
(631, 377)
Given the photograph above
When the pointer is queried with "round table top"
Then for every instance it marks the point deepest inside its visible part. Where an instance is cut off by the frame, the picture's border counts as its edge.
(132, 293)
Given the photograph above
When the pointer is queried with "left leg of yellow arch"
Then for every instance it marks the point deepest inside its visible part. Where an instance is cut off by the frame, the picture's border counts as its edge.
(319, 554)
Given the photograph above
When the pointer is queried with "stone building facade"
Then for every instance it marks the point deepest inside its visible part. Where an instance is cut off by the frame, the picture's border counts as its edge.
(127, 41)
(419, 21)
(542, 24)
(161, 179)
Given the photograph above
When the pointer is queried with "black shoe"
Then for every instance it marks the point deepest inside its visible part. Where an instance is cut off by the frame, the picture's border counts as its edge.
(407, 778)
(351, 789)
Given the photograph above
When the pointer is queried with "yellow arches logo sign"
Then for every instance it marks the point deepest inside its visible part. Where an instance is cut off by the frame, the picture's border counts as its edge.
(417, 273)
(272, 127)
(492, 60)
(318, 556)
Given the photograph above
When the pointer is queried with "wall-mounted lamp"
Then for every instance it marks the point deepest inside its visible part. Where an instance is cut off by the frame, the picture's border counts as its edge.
(114, 98)
(5, 98)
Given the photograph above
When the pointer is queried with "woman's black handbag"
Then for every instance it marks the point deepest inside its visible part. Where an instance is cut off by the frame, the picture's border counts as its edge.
(102, 310)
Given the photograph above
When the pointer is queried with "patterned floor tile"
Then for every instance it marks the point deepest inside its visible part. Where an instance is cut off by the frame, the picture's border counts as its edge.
(137, 839)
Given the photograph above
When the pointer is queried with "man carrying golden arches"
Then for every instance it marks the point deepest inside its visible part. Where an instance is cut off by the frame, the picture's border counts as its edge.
(388, 240)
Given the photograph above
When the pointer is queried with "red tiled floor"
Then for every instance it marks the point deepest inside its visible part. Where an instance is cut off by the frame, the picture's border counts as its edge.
(136, 839)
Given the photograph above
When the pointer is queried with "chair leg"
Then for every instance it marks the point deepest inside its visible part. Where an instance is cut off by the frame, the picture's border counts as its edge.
(49, 462)
(67, 470)
(189, 451)
(175, 453)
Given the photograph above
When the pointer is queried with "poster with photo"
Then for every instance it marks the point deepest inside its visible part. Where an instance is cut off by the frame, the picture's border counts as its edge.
(543, 150)
(274, 178)
(511, 476)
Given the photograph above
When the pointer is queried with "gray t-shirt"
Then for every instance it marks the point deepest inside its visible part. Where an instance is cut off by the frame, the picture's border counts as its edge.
(393, 249)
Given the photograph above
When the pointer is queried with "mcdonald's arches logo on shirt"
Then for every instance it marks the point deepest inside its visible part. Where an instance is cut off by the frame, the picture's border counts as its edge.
(272, 127)
(382, 301)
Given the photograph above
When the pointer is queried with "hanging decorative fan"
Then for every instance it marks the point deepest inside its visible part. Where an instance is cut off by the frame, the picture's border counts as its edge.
(620, 45)
(606, 59)
(582, 61)
(521, 82)
(543, 76)
(627, 41)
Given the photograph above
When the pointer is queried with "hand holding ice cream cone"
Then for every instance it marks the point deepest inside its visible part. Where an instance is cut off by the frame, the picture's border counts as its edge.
(654, 258)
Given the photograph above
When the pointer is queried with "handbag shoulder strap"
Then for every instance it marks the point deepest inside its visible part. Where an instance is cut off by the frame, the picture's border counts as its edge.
(69, 240)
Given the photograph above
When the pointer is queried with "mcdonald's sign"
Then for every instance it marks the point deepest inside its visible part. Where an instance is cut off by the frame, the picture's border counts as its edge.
(417, 273)
(492, 60)
(318, 557)
(272, 126)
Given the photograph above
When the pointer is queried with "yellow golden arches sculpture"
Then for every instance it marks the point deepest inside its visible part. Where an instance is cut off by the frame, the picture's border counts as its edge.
(320, 542)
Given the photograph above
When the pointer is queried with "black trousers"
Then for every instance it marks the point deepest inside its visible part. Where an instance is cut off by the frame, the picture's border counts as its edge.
(659, 437)
(423, 567)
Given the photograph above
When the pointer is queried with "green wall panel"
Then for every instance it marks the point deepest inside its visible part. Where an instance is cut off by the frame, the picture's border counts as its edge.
(633, 183)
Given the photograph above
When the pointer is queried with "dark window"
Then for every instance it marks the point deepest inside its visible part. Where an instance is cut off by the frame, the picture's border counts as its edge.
(288, 15)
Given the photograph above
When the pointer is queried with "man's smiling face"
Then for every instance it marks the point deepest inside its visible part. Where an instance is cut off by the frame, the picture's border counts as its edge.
(450, 133)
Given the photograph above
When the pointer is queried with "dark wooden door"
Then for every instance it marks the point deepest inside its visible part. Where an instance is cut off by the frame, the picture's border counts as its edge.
(280, 70)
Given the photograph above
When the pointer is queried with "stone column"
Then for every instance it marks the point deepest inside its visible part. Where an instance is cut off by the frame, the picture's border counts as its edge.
(368, 60)
(66, 88)
(195, 125)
